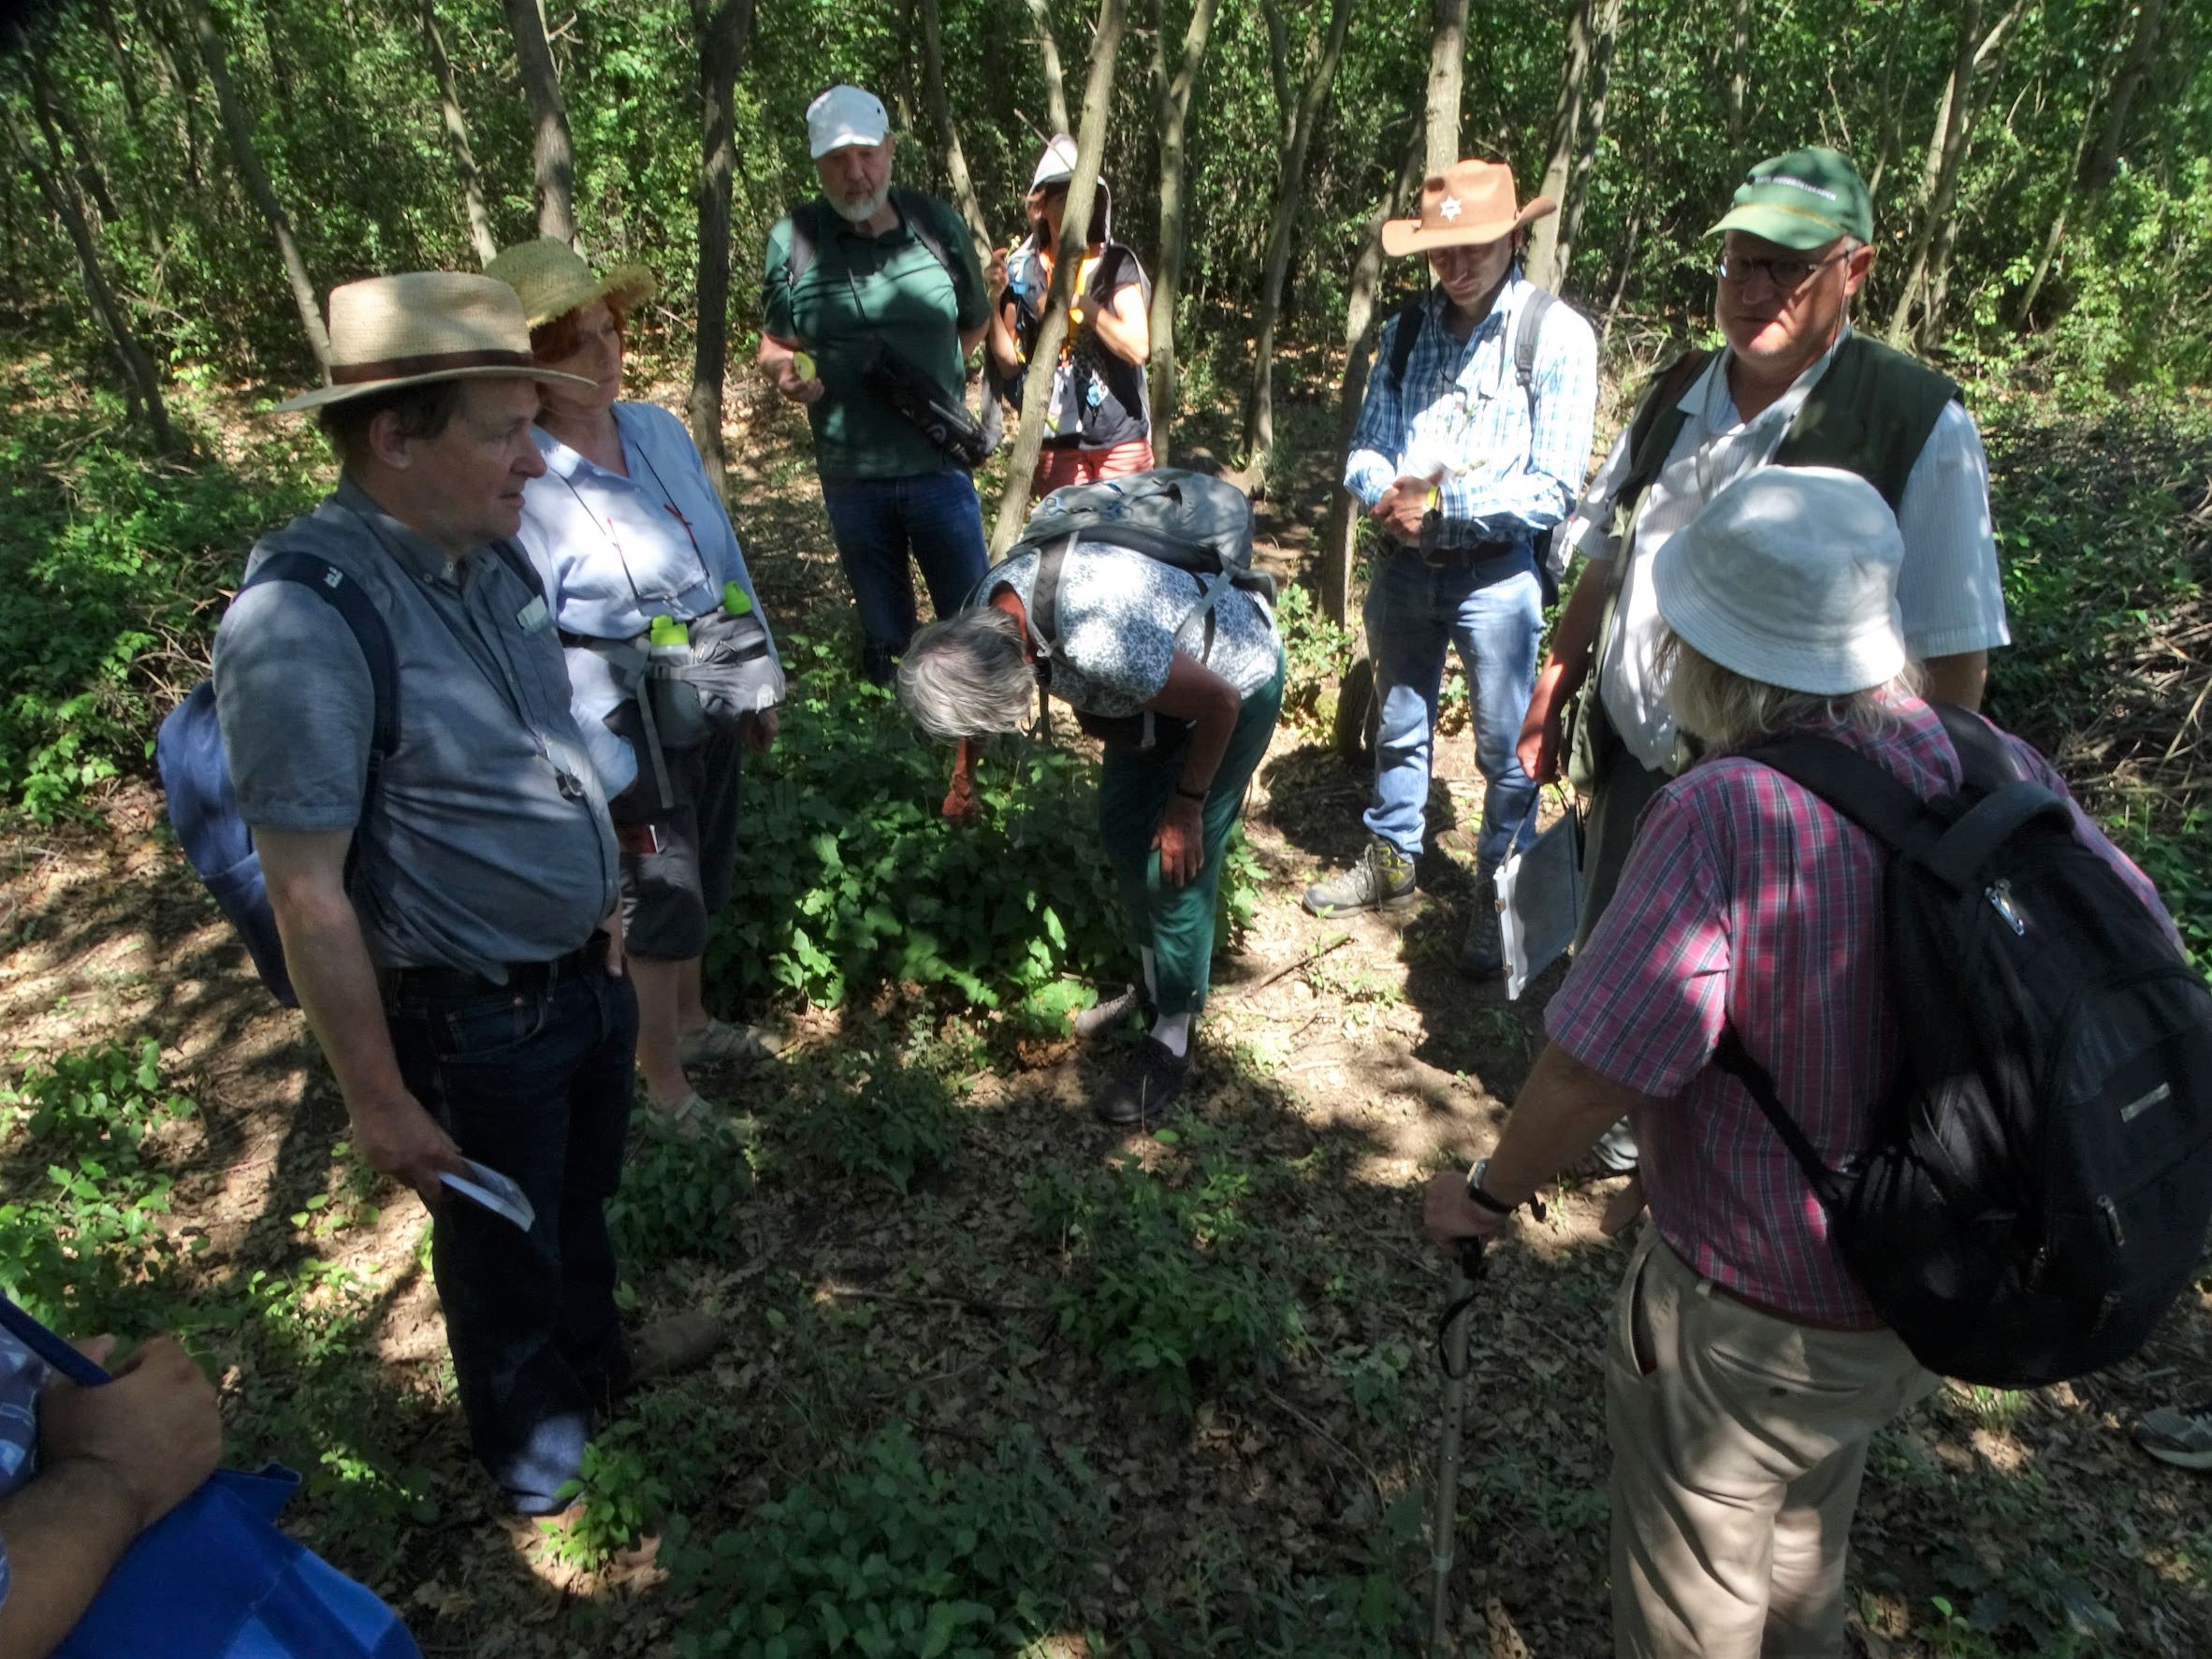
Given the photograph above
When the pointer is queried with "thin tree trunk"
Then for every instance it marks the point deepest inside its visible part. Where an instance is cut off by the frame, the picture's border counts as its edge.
(1056, 79)
(256, 181)
(1605, 333)
(1892, 130)
(724, 27)
(457, 135)
(940, 115)
(55, 125)
(1739, 71)
(1167, 286)
(1939, 175)
(555, 156)
(1544, 264)
(1600, 83)
(1044, 356)
(142, 385)
(1447, 78)
(1260, 409)
(180, 84)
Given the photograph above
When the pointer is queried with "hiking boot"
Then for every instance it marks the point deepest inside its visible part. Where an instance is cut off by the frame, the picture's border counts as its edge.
(671, 1346)
(1143, 1095)
(2178, 1435)
(1381, 881)
(1102, 1018)
(1482, 952)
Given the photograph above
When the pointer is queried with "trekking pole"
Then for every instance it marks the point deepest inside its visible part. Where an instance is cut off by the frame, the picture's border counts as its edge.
(1451, 1342)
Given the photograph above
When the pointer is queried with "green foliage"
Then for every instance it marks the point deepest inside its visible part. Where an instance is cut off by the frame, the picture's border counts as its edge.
(1171, 1274)
(884, 1118)
(681, 1196)
(1317, 653)
(893, 1556)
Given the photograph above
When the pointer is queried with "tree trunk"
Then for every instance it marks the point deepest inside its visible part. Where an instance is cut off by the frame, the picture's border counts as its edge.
(1044, 356)
(1447, 77)
(250, 173)
(1260, 408)
(1946, 152)
(724, 27)
(1166, 286)
(176, 71)
(2088, 182)
(55, 123)
(555, 157)
(142, 385)
(457, 135)
(1544, 264)
(1739, 71)
(948, 136)
(1593, 124)
(1056, 81)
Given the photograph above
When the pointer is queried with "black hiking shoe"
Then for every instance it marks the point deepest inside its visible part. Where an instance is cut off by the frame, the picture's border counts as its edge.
(1482, 953)
(1381, 881)
(1101, 1019)
(1143, 1095)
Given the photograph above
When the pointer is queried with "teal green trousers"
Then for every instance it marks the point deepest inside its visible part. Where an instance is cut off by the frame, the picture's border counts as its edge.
(1176, 924)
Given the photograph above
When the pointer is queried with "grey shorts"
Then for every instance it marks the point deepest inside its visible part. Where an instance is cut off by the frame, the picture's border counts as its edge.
(669, 895)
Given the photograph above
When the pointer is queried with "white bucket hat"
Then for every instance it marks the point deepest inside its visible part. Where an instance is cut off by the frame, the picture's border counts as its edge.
(1056, 165)
(845, 115)
(1789, 578)
(422, 325)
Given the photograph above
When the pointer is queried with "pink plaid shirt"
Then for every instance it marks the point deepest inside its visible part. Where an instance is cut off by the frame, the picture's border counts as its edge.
(1748, 901)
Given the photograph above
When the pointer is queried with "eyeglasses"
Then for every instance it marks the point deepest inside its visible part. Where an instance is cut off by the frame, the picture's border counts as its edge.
(1788, 275)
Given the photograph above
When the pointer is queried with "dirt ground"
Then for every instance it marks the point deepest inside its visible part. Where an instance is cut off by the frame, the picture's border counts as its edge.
(1346, 1057)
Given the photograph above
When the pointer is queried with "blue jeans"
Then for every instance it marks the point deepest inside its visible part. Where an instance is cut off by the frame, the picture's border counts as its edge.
(1492, 613)
(537, 1086)
(878, 522)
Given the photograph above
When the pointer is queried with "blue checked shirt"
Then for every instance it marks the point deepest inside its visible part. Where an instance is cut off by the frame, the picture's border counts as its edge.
(1507, 477)
(21, 1379)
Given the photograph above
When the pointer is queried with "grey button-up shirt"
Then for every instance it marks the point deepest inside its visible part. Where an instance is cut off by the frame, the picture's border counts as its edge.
(488, 842)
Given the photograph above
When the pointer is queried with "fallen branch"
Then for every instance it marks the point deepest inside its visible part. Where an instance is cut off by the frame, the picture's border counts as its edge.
(1311, 956)
(969, 1304)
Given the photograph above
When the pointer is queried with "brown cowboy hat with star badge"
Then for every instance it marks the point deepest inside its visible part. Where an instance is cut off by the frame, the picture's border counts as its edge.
(1472, 202)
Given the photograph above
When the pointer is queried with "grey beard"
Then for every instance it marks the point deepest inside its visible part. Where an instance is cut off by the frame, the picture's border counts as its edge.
(860, 212)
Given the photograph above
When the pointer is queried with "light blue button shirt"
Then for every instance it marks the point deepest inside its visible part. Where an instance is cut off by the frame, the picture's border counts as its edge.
(615, 552)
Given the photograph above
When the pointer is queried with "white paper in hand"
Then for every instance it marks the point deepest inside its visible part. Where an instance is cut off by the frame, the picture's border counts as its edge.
(1540, 901)
(496, 1192)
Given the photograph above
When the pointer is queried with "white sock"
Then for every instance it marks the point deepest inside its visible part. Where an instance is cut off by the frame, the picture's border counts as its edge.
(1174, 1031)
(1151, 986)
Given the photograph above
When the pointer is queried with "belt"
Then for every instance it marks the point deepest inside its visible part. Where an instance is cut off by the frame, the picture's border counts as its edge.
(458, 984)
(1715, 1287)
(1454, 558)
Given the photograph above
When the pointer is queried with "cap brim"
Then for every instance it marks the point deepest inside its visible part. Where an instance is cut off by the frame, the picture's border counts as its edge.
(847, 139)
(1785, 227)
(342, 394)
(1400, 236)
(628, 286)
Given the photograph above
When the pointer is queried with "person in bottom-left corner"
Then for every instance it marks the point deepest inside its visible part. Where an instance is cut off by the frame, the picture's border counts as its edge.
(451, 914)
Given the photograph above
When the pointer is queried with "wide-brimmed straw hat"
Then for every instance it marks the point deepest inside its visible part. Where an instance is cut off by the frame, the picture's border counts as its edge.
(1789, 578)
(392, 331)
(553, 279)
(1470, 202)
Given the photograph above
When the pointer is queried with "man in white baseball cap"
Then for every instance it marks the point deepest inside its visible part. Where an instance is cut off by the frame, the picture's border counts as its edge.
(871, 304)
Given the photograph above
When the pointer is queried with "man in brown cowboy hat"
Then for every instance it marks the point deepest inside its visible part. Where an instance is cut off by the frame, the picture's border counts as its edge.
(1470, 448)
(438, 852)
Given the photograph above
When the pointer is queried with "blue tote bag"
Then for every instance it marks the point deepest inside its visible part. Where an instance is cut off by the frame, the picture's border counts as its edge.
(215, 1578)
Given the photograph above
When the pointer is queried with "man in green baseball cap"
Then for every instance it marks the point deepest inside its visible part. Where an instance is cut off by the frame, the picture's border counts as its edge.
(1793, 385)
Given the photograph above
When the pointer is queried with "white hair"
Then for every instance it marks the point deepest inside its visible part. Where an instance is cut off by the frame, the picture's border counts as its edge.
(1725, 710)
(860, 212)
(967, 675)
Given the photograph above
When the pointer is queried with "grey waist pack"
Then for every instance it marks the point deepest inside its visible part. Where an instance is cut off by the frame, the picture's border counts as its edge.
(683, 694)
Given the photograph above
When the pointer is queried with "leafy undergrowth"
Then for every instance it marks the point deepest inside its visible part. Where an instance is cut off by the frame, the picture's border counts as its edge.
(1001, 1385)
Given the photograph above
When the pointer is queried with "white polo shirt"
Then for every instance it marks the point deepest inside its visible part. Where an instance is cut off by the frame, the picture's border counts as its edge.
(1947, 587)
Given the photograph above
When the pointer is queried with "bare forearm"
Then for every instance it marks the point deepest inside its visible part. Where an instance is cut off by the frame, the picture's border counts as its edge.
(337, 986)
(1561, 1112)
(775, 355)
(1956, 679)
(63, 1530)
(1124, 329)
(1577, 627)
(1195, 692)
(1006, 351)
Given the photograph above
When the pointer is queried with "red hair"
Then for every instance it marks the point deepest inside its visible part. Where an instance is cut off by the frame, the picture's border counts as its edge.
(550, 341)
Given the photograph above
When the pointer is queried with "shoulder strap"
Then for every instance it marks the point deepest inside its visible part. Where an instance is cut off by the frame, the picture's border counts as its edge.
(1524, 341)
(1735, 1060)
(1861, 790)
(1651, 432)
(915, 210)
(49, 1347)
(344, 595)
(1044, 593)
(1409, 319)
(798, 255)
(1987, 764)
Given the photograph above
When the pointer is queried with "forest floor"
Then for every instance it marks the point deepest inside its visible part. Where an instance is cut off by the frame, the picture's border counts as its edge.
(1023, 1386)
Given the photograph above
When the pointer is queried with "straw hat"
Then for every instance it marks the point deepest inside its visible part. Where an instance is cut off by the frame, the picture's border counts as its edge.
(392, 331)
(1789, 578)
(1470, 202)
(553, 279)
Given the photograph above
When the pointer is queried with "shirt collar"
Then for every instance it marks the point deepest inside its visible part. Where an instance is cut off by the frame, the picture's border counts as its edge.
(564, 462)
(412, 551)
(1508, 300)
(1693, 401)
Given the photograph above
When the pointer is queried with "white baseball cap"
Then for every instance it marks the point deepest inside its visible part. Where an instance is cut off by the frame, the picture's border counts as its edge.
(1056, 165)
(845, 115)
(1789, 578)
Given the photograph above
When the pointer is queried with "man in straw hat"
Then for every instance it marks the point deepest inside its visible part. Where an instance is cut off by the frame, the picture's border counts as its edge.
(1746, 1370)
(1795, 386)
(1470, 448)
(448, 903)
(863, 269)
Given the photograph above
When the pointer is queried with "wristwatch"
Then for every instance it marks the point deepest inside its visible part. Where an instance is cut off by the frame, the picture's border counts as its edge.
(1475, 1193)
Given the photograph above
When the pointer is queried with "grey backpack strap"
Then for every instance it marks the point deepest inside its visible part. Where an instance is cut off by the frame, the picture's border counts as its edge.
(798, 258)
(1044, 594)
(1525, 342)
(1410, 317)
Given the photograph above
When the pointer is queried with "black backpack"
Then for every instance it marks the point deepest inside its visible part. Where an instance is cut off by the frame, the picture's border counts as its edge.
(2039, 1178)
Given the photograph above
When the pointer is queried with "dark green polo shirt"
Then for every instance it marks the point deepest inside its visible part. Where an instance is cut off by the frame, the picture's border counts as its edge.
(859, 286)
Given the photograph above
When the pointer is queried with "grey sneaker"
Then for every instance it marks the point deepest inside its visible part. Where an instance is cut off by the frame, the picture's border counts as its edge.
(2178, 1435)
(1381, 881)
(1482, 953)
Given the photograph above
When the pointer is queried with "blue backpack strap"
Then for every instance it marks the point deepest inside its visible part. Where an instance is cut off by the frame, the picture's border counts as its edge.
(344, 595)
(66, 1360)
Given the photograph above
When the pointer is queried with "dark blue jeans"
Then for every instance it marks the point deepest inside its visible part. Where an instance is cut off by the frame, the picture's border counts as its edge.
(878, 522)
(537, 1086)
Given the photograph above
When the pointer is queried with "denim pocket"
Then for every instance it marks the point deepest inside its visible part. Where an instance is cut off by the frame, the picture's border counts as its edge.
(491, 1028)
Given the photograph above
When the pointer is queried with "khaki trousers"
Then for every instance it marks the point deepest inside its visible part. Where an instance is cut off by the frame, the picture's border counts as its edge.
(1738, 1441)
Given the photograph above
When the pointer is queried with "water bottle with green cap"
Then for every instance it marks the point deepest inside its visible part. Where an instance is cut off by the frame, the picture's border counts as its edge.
(736, 600)
(666, 633)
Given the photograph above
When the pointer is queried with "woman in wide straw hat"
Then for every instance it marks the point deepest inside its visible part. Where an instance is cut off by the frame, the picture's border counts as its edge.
(639, 552)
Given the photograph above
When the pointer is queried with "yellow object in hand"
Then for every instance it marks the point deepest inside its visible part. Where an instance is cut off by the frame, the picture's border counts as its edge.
(802, 365)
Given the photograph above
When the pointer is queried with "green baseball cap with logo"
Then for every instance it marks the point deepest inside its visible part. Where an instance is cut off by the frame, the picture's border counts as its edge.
(1804, 200)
